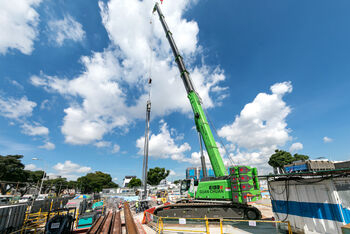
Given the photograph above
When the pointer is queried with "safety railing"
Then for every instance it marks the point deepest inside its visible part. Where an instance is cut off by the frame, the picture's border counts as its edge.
(215, 225)
(36, 221)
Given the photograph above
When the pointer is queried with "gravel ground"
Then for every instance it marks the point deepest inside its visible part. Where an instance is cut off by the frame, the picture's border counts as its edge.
(264, 205)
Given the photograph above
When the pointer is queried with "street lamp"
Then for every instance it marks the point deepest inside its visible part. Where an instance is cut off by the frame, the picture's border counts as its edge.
(44, 175)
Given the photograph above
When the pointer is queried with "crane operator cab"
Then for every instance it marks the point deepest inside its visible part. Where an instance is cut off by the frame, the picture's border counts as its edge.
(188, 187)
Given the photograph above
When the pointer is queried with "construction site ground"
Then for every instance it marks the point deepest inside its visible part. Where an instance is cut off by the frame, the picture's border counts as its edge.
(263, 205)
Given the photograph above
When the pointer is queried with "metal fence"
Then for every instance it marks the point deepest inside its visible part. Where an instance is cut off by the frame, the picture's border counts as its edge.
(210, 225)
(12, 217)
(47, 204)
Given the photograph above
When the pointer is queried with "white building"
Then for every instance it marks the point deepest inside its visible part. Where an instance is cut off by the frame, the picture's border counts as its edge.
(126, 180)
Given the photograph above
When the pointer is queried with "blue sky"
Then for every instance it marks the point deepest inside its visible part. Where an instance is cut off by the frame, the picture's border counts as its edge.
(73, 84)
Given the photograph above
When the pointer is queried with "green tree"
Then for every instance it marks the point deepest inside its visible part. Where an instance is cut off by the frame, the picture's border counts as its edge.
(111, 185)
(95, 182)
(298, 157)
(155, 175)
(55, 185)
(72, 184)
(33, 181)
(177, 182)
(134, 182)
(11, 170)
(35, 176)
(280, 158)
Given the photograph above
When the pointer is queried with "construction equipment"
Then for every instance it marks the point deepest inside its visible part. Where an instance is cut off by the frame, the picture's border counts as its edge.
(226, 195)
(145, 153)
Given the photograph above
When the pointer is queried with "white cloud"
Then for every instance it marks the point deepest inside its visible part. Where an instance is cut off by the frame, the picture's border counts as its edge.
(34, 130)
(172, 173)
(44, 104)
(20, 110)
(195, 157)
(101, 144)
(282, 88)
(262, 122)
(103, 107)
(30, 167)
(18, 85)
(163, 145)
(260, 128)
(70, 170)
(48, 145)
(16, 108)
(116, 148)
(65, 29)
(18, 25)
(110, 94)
(115, 179)
(296, 146)
(327, 139)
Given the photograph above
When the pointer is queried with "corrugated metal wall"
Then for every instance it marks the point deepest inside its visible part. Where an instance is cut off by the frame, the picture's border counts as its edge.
(44, 205)
(311, 205)
(12, 217)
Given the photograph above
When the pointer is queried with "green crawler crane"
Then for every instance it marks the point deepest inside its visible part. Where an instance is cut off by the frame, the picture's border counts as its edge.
(226, 195)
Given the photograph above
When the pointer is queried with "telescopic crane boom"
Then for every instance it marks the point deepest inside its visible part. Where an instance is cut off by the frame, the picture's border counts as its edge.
(200, 119)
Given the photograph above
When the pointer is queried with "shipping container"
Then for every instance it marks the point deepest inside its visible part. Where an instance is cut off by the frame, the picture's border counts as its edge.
(309, 165)
(312, 205)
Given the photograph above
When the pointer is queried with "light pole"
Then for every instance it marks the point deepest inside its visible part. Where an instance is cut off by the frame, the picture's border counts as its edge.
(44, 175)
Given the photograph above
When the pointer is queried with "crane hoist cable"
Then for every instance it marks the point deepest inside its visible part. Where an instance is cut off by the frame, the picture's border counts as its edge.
(220, 140)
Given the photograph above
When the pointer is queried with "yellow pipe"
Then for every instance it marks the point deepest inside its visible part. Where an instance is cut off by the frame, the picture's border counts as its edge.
(76, 218)
(206, 225)
(182, 230)
(221, 231)
(289, 228)
(161, 228)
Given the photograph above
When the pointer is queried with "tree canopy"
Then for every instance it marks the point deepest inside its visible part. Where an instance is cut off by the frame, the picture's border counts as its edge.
(281, 158)
(298, 157)
(35, 176)
(11, 170)
(13, 175)
(95, 182)
(155, 175)
(177, 182)
(56, 185)
(134, 182)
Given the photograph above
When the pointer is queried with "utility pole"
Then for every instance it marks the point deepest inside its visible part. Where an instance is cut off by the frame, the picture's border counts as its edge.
(44, 175)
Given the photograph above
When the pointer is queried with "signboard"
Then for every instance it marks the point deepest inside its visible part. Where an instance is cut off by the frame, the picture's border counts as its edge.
(252, 223)
(182, 221)
(55, 225)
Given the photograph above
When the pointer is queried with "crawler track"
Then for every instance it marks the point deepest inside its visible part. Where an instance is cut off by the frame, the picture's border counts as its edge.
(200, 209)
